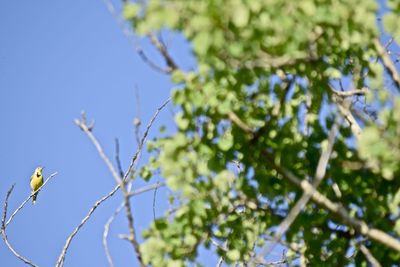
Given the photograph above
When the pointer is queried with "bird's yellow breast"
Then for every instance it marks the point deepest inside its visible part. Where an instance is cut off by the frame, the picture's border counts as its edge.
(36, 182)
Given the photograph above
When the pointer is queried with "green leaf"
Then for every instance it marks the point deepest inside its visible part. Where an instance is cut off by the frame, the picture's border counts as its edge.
(131, 10)
(226, 141)
(233, 255)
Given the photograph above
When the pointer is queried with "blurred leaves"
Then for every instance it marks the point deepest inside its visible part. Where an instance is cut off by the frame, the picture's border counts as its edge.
(265, 69)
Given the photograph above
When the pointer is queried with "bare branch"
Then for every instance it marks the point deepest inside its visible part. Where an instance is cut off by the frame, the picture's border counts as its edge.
(220, 261)
(344, 109)
(154, 201)
(105, 235)
(387, 62)
(374, 262)
(137, 120)
(236, 120)
(223, 248)
(26, 200)
(84, 127)
(163, 51)
(117, 159)
(146, 189)
(118, 178)
(355, 92)
(131, 225)
(61, 258)
(131, 38)
(3, 231)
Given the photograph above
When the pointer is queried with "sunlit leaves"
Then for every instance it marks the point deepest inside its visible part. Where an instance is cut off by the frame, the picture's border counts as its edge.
(380, 145)
(262, 84)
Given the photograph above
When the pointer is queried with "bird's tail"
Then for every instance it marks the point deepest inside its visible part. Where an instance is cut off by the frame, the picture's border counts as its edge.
(34, 198)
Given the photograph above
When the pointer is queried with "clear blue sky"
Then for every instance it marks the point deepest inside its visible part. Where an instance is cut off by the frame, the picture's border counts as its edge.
(56, 59)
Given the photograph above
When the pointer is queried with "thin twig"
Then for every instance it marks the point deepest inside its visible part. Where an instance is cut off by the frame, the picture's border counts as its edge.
(343, 106)
(220, 261)
(154, 201)
(117, 159)
(3, 231)
(88, 131)
(107, 228)
(26, 200)
(137, 120)
(235, 119)
(105, 234)
(355, 92)
(131, 225)
(146, 189)
(121, 182)
(131, 38)
(61, 258)
(163, 51)
(223, 248)
(387, 62)
(374, 262)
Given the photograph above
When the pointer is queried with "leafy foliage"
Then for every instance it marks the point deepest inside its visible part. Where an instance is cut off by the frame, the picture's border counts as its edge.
(263, 86)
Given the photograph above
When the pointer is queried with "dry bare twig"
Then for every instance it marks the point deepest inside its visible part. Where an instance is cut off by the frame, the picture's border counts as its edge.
(4, 224)
(112, 218)
(105, 234)
(163, 51)
(3, 231)
(355, 92)
(62, 255)
(117, 159)
(134, 41)
(146, 188)
(154, 201)
(26, 200)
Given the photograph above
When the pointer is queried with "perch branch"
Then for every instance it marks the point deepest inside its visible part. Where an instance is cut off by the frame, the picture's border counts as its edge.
(3, 231)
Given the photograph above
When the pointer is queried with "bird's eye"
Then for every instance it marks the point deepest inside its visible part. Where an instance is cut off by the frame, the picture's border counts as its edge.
(38, 174)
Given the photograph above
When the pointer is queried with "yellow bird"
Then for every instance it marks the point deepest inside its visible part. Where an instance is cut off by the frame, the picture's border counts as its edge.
(36, 182)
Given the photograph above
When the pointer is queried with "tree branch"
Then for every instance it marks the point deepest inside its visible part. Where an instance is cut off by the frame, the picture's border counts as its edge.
(61, 258)
(163, 51)
(387, 62)
(105, 234)
(343, 106)
(374, 262)
(355, 92)
(3, 230)
(26, 200)
(146, 189)
(88, 131)
(337, 209)
(131, 38)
